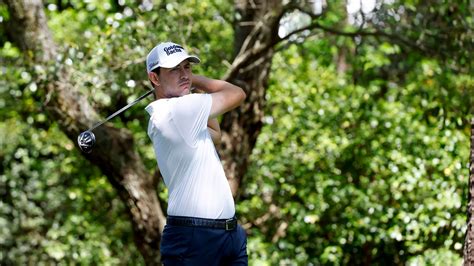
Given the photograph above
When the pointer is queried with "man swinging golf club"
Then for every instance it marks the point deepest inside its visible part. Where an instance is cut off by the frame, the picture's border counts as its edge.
(201, 225)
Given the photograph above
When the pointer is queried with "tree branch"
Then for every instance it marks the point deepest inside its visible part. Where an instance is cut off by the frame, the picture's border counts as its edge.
(114, 151)
(247, 53)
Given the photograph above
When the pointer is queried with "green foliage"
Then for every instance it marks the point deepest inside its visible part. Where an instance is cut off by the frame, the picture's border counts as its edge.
(437, 258)
(55, 207)
(349, 174)
(362, 167)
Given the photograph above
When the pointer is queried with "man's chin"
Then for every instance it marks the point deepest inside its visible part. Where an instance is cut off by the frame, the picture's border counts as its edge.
(185, 91)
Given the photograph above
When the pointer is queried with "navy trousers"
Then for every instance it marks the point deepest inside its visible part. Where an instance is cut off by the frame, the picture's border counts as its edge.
(195, 245)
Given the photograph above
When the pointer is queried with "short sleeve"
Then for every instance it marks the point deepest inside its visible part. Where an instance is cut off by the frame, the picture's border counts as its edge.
(190, 114)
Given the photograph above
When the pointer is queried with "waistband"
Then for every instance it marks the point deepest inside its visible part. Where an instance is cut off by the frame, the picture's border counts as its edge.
(226, 224)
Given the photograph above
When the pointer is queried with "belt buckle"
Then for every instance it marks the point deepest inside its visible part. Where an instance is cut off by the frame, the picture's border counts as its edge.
(230, 224)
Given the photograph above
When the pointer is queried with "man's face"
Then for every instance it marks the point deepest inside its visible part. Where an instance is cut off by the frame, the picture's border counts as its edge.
(176, 81)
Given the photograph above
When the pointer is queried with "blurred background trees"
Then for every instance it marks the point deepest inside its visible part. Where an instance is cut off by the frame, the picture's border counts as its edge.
(359, 136)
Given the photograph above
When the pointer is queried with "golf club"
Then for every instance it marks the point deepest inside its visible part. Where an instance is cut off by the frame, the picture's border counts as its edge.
(86, 139)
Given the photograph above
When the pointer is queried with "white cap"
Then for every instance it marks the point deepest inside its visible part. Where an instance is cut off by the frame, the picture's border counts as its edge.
(168, 55)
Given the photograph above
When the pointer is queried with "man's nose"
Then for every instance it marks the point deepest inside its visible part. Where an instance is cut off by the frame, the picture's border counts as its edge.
(182, 72)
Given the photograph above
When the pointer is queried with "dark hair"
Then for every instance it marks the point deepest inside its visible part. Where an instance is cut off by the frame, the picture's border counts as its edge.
(156, 71)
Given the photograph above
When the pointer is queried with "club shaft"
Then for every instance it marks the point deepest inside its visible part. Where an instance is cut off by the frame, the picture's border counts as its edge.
(121, 110)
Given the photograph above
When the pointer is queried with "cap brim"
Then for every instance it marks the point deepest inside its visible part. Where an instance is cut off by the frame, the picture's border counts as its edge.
(177, 60)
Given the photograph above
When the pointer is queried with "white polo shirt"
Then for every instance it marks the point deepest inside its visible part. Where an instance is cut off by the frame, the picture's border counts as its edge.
(187, 158)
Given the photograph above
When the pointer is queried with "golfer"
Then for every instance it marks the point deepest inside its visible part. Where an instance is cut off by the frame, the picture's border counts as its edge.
(201, 225)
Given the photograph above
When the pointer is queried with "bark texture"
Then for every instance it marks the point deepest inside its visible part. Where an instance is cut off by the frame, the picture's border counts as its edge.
(256, 33)
(114, 152)
(28, 28)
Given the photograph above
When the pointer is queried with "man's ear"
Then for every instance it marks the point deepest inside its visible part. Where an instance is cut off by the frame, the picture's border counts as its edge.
(153, 77)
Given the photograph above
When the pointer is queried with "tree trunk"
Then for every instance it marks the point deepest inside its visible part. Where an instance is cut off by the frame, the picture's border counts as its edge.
(256, 33)
(114, 152)
(469, 240)
(29, 30)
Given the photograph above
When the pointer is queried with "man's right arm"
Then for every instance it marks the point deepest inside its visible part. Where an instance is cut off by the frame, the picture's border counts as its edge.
(225, 96)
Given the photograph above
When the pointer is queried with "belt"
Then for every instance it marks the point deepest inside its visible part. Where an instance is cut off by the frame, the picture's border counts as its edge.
(226, 224)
